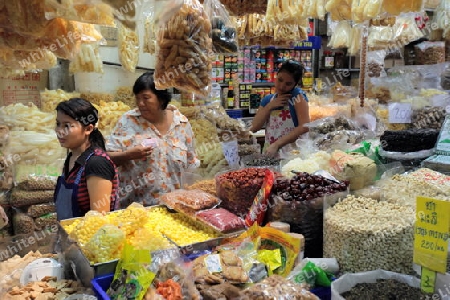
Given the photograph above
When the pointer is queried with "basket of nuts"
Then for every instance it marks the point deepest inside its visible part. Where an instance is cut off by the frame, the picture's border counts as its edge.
(299, 202)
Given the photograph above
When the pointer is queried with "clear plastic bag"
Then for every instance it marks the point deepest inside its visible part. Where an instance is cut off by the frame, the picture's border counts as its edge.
(105, 245)
(221, 219)
(193, 200)
(375, 63)
(339, 9)
(355, 46)
(406, 30)
(180, 275)
(38, 210)
(150, 27)
(341, 37)
(86, 11)
(279, 288)
(46, 221)
(183, 47)
(314, 9)
(380, 37)
(284, 11)
(38, 182)
(24, 17)
(128, 48)
(395, 8)
(87, 60)
(224, 32)
(363, 10)
(197, 181)
(349, 281)
(21, 198)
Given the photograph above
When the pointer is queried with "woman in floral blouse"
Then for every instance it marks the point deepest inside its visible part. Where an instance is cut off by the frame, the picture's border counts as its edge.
(152, 145)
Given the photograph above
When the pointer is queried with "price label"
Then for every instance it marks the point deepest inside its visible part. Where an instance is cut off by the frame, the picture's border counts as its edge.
(231, 153)
(213, 264)
(431, 235)
(400, 112)
(427, 280)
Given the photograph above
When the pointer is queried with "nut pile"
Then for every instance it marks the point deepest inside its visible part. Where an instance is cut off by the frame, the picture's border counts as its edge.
(428, 117)
(374, 69)
(430, 53)
(384, 289)
(304, 186)
(364, 234)
(237, 189)
(403, 189)
(299, 202)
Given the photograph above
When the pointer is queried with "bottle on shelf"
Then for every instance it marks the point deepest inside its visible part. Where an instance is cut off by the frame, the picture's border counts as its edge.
(328, 60)
(230, 96)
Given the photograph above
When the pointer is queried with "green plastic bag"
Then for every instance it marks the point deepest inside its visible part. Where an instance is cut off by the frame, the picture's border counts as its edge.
(132, 276)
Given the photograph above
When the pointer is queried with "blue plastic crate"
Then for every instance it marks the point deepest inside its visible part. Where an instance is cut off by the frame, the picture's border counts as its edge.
(101, 285)
(324, 293)
(235, 113)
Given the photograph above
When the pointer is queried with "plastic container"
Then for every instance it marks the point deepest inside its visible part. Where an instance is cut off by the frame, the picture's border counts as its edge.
(235, 113)
(101, 284)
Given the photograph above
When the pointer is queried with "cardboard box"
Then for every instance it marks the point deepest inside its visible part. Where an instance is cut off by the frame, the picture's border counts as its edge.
(23, 89)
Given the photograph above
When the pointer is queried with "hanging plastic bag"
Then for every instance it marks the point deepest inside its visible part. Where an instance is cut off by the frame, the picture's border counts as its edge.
(363, 10)
(24, 17)
(380, 37)
(395, 8)
(128, 48)
(150, 27)
(355, 44)
(86, 11)
(339, 9)
(87, 60)
(224, 33)
(375, 63)
(27, 60)
(314, 9)
(124, 11)
(183, 48)
(341, 37)
(288, 12)
(406, 30)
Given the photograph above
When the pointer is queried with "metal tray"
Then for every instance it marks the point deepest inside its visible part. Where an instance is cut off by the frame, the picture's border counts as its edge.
(79, 267)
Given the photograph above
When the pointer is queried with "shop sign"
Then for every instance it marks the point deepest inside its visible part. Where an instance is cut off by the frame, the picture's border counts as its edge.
(431, 235)
(313, 42)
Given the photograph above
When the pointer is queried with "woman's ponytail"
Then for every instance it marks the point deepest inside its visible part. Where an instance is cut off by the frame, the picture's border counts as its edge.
(97, 140)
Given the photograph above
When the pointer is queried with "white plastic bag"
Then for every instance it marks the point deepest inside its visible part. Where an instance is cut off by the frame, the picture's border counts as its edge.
(348, 281)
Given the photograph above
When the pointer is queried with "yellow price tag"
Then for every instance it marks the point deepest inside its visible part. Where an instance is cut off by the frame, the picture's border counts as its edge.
(431, 233)
(427, 281)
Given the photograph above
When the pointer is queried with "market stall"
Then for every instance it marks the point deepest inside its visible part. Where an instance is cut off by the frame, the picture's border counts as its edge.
(356, 208)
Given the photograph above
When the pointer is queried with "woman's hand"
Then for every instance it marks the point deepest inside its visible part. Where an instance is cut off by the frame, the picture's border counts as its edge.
(139, 152)
(280, 101)
(271, 151)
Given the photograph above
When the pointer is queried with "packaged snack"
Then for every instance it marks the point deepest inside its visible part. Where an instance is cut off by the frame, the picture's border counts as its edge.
(221, 219)
(132, 276)
(192, 199)
(183, 47)
(259, 206)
